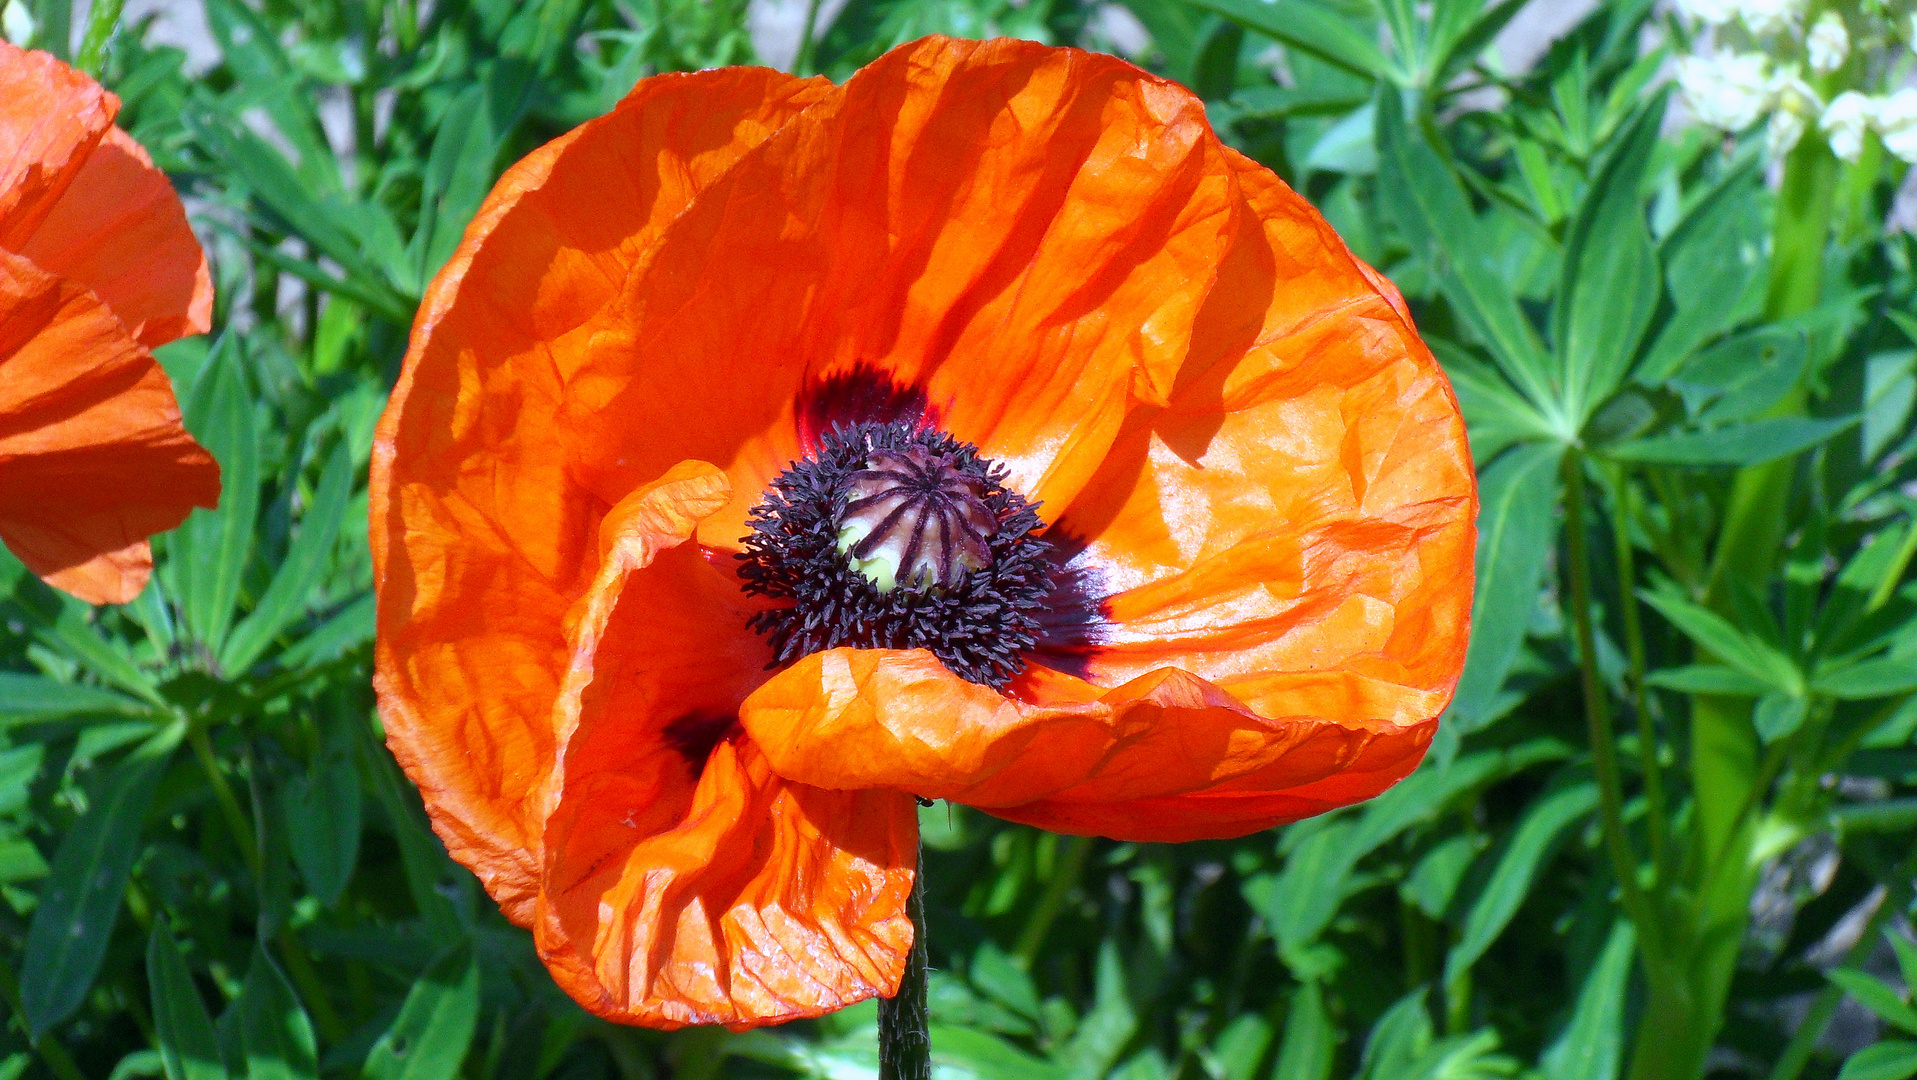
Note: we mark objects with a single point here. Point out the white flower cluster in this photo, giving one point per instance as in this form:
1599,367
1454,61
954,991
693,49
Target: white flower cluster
1762,66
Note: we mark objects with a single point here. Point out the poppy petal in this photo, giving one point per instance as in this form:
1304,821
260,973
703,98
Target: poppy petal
897,719
120,230
1297,522
93,457
478,527
1018,234
51,118
685,882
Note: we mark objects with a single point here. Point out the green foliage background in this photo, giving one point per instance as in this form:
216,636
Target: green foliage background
1667,823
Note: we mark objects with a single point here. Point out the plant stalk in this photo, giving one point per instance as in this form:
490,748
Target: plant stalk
1597,703
905,1035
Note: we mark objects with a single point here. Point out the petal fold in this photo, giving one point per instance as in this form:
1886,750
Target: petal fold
120,230
852,719
93,456
481,534
684,881
51,118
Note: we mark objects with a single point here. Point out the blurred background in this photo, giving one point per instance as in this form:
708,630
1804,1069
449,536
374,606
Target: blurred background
1666,830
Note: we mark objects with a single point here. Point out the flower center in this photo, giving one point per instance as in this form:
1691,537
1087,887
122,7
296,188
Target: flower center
897,536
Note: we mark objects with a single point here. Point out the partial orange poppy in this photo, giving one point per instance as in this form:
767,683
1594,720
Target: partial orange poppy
97,265
771,453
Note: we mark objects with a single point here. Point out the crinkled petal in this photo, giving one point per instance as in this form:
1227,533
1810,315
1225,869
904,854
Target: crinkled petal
1017,236
1297,525
93,457
851,719
51,118
1284,552
685,882
480,534
120,230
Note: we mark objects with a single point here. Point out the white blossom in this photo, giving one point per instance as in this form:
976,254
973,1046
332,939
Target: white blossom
1845,121
1729,91
1770,16
1897,123
1828,43
1782,133
1714,12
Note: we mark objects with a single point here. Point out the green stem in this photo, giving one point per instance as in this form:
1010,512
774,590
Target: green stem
1647,741
905,1036
1065,874
802,62
236,822
1597,703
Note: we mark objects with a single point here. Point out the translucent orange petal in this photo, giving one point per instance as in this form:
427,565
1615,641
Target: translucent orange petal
51,118
1285,553
1297,525
93,457
120,230
870,718
1016,232
685,883
481,536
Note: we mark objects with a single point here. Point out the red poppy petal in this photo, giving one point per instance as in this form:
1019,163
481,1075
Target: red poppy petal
1299,521
93,457
685,883
1022,233
51,118
120,230
874,718
479,532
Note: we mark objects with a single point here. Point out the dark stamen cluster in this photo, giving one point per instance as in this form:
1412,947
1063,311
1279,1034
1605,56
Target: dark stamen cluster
971,580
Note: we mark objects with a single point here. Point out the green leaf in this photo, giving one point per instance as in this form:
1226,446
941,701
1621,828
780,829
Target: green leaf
1883,677
209,551
1894,1059
1777,716
1751,443
1745,376
1517,867
1744,652
1517,529
189,1049
1399,1038
1876,995
74,634
1102,1035
1708,679
81,899
463,163
27,698
1611,281
428,1039
1310,1043
285,599
1591,1044
1312,28
275,1034
1240,1048
19,767
348,630
1419,191
321,812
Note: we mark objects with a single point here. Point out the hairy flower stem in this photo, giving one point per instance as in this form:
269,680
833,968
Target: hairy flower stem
1597,705
905,1036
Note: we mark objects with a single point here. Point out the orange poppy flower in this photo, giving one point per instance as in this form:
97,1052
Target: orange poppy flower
983,429
97,265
